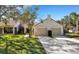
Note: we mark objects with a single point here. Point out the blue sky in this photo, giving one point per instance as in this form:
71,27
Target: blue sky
56,11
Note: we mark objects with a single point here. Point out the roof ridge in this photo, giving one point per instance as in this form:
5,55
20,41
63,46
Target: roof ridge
48,19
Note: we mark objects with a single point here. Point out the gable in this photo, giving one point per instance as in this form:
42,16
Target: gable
49,23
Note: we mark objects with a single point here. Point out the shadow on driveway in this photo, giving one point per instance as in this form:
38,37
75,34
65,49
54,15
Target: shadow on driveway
60,45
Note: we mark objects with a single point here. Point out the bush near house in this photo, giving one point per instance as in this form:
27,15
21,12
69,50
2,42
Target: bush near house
72,35
18,44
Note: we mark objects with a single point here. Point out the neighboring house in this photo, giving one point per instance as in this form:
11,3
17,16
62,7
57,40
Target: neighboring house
49,27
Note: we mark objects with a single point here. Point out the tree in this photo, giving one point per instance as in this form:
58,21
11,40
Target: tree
73,17
6,12
29,17
70,20
41,20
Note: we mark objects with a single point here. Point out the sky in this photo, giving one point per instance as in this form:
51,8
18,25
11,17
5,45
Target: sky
56,11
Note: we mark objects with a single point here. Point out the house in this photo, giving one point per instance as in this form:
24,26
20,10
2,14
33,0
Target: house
49,27
12,27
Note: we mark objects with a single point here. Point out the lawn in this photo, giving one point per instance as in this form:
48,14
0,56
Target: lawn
18,44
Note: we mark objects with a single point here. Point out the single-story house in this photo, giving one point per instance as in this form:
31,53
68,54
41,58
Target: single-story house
11,27
49,27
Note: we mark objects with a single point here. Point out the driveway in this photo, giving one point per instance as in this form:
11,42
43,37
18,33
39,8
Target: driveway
60,45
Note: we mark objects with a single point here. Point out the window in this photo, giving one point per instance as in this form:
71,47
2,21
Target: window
8,30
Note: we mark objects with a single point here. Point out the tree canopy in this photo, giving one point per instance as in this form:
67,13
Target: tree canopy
70,20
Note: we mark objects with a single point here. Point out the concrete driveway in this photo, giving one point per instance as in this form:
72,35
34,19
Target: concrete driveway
60,45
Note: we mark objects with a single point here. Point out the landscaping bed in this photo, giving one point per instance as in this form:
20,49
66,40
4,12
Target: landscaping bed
18,44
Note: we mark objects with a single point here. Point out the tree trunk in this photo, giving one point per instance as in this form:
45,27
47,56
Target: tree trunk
30,30
29,33
76,25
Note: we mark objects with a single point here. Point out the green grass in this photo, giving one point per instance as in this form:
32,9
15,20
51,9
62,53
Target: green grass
18,44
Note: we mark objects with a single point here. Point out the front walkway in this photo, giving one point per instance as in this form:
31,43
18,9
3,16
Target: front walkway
60,45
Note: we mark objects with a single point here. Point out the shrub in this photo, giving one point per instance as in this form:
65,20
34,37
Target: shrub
72,34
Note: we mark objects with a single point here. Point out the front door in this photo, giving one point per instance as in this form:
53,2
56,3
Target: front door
49,33
20,30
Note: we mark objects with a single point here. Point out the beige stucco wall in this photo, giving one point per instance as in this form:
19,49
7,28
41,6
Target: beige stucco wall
48,23
56,31
44,31
40,31
42,28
